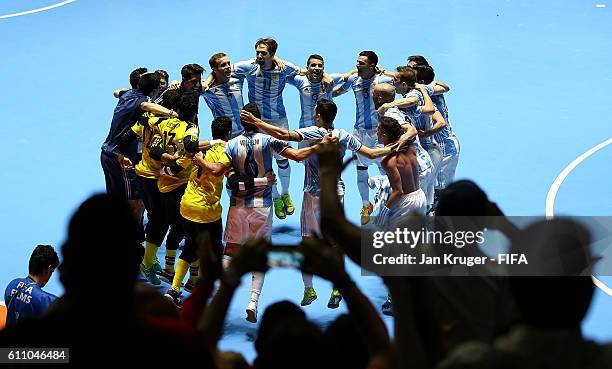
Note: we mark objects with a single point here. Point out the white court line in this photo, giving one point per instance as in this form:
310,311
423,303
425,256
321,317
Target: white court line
552,195
37,10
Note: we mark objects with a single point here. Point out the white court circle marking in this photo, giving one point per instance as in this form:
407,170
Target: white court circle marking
37,10
552,195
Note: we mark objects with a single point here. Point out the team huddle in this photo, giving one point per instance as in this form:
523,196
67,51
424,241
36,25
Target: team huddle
154,158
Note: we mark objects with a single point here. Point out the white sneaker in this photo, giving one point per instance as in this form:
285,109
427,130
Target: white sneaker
251,311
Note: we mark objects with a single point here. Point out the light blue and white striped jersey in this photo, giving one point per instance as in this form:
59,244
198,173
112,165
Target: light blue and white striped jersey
310,93
445,137
251,155
225,100
439,102
423,158
266,87
422,122
312,135
366,114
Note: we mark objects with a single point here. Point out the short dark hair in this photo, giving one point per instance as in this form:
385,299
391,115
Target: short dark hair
314,56
213,59
407,75
253,109
189,70
269,42
327,109
371,55
162,74
418,59
42,257
170,99
135,76
424,73
148,82
221,127
391,127
188,105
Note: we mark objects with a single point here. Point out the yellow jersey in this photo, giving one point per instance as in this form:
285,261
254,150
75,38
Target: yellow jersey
147,167
201,202
171,135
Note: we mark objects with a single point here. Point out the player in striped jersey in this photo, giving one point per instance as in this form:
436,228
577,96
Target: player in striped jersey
250,212
312,88
224,95
366,119
324,116
266,81
385,94
425,118
446,136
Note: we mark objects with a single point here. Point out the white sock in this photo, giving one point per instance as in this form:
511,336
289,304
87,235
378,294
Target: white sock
225,261
307,278
257,285
362,185
284,172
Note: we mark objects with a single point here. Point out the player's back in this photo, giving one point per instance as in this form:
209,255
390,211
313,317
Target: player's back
172,133
251,155
408,167
125,114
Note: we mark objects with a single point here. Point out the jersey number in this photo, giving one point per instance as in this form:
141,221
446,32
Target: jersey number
168,138
267,84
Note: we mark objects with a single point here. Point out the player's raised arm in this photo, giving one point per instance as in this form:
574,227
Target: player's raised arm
216,169
157,109
274,131
440,87
302,154
117,93
428,107
439,123
372,153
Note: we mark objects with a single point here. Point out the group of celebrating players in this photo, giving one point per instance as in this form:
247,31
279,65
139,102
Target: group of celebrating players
154,158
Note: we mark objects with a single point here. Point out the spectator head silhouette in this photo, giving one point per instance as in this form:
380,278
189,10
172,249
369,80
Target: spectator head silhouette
102,225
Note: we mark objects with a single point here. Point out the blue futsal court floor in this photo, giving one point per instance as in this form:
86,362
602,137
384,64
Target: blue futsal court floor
530,83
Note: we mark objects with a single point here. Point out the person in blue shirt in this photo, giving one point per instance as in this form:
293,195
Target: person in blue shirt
25,298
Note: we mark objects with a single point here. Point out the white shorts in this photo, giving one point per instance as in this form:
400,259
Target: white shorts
246,223
408,204
310,217
284,124
435,153
369,138
446,175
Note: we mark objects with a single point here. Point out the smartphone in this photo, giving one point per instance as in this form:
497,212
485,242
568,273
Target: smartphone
285,256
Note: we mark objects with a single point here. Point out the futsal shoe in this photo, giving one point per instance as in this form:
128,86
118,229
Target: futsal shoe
166,275
279,208
157,269
365,213
288,203
251,311
387,307
175,296
334,299
309,296
150,275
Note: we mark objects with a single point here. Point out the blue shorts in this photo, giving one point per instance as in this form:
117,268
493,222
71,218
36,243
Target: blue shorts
120,182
